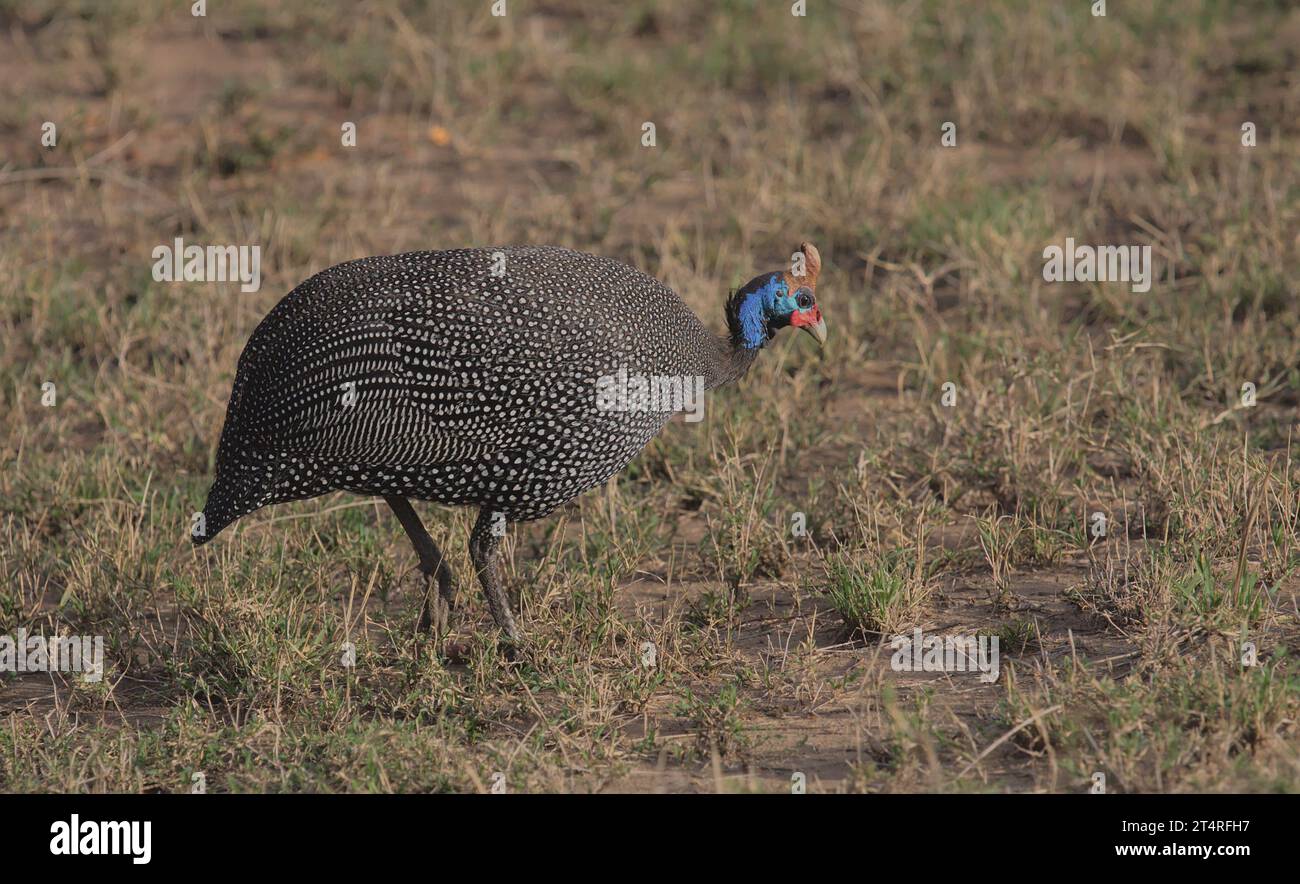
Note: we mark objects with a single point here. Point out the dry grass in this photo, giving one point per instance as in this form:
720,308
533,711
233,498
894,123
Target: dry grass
1123,651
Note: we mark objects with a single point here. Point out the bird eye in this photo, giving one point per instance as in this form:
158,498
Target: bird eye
804,300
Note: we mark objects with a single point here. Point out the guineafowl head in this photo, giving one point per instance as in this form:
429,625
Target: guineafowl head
770,302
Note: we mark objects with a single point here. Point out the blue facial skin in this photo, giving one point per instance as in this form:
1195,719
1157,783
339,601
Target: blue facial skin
771,299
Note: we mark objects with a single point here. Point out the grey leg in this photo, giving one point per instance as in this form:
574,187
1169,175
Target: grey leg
432,565
484,549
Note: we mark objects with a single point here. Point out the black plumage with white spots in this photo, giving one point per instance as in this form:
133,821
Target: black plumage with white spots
463,377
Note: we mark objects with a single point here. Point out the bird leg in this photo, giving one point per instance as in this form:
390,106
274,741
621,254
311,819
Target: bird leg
484,551
437,610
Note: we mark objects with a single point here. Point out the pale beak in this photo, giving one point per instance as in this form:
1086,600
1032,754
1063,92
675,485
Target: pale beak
817,330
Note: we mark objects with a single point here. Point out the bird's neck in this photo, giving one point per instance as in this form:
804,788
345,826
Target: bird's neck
732,359
746,334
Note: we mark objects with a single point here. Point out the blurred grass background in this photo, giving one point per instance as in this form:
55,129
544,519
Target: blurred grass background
476,130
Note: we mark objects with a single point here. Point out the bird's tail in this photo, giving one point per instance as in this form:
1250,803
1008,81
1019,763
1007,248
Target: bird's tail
237,491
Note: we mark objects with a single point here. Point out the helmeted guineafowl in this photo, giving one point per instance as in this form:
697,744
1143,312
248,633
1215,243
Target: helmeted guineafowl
474,376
